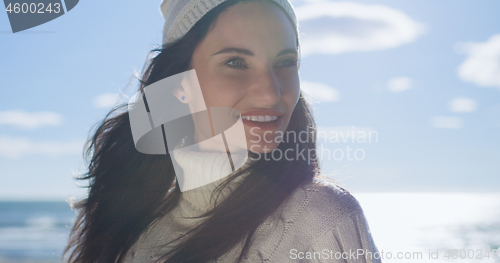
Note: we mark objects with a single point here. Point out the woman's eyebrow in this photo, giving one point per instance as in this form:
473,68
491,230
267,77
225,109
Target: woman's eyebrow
288,51
247,52
235,50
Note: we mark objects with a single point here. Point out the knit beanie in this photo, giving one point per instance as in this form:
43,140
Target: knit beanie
181,15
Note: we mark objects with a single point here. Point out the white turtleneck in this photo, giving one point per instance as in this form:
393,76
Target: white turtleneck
199,164
317,217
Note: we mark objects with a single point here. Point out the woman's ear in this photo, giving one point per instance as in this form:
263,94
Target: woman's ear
180,94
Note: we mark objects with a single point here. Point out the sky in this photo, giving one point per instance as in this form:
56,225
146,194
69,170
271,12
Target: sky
420,78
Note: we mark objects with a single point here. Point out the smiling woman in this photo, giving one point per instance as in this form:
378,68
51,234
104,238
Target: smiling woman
248,61
245,55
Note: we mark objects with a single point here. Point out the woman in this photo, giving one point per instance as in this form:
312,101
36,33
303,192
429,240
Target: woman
244,54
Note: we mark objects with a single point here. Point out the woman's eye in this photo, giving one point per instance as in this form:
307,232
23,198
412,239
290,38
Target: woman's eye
288,63
236,63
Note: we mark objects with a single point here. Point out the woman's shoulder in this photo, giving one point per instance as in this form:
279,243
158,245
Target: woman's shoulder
324,197
329,189
319,213
320,204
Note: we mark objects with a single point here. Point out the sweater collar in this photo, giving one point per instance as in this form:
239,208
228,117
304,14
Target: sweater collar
213,167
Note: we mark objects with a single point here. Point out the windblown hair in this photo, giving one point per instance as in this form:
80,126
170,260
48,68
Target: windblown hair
128,190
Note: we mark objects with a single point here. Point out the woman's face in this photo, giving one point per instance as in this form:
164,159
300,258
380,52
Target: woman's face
248,61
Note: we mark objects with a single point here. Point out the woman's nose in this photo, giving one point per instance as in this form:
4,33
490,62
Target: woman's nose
266,89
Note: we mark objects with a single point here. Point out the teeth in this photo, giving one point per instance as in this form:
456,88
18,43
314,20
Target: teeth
260,118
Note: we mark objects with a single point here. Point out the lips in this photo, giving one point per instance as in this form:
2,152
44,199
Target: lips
262,113
260,118
263,119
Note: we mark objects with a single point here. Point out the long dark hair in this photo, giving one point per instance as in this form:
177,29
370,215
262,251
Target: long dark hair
128,190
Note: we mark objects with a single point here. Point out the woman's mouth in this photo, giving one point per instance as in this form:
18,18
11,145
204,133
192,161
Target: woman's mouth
260,118
263,122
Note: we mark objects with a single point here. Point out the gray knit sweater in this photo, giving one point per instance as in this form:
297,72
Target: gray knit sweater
320,222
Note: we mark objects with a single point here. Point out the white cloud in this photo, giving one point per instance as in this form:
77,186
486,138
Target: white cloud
315,91
399,84
14,147
339,27
482,65
447,122
106,100
462,105
29,120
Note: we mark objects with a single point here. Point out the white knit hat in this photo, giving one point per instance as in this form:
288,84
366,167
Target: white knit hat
181,15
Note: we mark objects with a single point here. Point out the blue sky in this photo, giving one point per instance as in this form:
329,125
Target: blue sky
423,75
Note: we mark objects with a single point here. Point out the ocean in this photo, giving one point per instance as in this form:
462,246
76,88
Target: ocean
406,227
34,231
434,227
